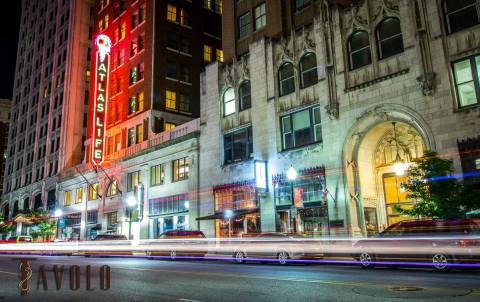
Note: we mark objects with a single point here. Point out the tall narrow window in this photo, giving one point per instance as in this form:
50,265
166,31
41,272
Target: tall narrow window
184,17
93,191
260,16
207,53
157,175
466,74
123,30
170,99
171,13
308,70
67,201
131,137
112,189
180,169
243,25
286,79
389,38
219,55
79,195
244,93
460,14
359,50
139,133
184,102
133,179
229,102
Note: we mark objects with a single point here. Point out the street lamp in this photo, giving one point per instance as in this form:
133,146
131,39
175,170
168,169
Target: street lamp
131,203
57,214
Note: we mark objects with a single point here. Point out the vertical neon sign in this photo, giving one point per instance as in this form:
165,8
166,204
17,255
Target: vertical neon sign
100,101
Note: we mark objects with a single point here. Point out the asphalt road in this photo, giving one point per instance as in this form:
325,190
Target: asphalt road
161,280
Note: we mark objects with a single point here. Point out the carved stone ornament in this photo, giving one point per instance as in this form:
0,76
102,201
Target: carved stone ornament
307,41
427,83
332,110
357,19
386,8
228,75
285,49
244,68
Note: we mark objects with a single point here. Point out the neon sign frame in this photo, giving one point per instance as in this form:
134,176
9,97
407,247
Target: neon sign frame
100,98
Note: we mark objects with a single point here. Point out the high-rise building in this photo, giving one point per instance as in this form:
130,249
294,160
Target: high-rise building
158,50
50,93
5,107
321,106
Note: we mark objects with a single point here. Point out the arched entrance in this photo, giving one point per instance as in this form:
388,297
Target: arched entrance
381,137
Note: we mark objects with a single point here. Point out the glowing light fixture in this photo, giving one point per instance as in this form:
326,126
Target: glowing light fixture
228,214
131,201
291,173
58,213
399,166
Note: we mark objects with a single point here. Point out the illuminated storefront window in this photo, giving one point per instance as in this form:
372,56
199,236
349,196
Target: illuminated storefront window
168,213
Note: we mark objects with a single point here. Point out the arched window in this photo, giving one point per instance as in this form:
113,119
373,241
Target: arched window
112,189
15,209
244,93
389,38
460,14
359,52
308,70
229,102
286,79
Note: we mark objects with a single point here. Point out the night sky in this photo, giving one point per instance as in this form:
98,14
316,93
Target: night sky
9,26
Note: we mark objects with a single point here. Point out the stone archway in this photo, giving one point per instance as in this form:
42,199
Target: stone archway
363,171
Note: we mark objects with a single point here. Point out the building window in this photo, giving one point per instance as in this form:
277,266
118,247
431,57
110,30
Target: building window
157,175
171,69
301,128
477,164
111,221
131,137
93,191
169,126
79,195
359,50
67,201
184,17
260,16
134,22
301,4
207,53
136,73
167,205
238,145
142,13
244,93
286,79
308,70
123,30
243,25
184,102
389,38
139,133
185,46
185,74
229,102
220,55
466,74
133,179
170,99
171,13
112,189
136,45
180,169
460,15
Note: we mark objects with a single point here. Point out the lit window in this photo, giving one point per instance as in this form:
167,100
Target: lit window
308,70
106,21
170,99
123,30
133,179
477,164
157,175
139,133
460,15
140,99
243,25
466,74
93,191
100,25
207,53
219,55
116,36
67,199
171,13
131,137
389,38
359,50
229,102
79,196
169,126
180,169
260,16
286,79
184,17
132,104
301,128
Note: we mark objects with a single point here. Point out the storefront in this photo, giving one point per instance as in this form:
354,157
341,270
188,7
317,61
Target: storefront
168,213
300,203
236,209
71,229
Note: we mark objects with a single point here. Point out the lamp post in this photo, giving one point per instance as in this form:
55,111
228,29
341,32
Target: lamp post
131,203
57,214
292,176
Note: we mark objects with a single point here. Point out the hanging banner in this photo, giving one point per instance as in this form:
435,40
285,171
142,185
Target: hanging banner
100,98
298,197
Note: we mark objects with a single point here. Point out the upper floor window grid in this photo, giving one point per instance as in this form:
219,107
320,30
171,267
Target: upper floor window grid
460,14
359,51
389,38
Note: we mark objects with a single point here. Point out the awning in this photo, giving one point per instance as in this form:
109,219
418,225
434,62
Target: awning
235,214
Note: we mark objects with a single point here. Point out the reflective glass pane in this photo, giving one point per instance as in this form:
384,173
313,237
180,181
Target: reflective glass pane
467,94
463,72
301,120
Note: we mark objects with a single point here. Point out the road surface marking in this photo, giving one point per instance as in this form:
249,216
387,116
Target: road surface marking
9,273
188,300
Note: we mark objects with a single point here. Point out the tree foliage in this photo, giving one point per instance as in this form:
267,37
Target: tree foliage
436,191
44,229
5,227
